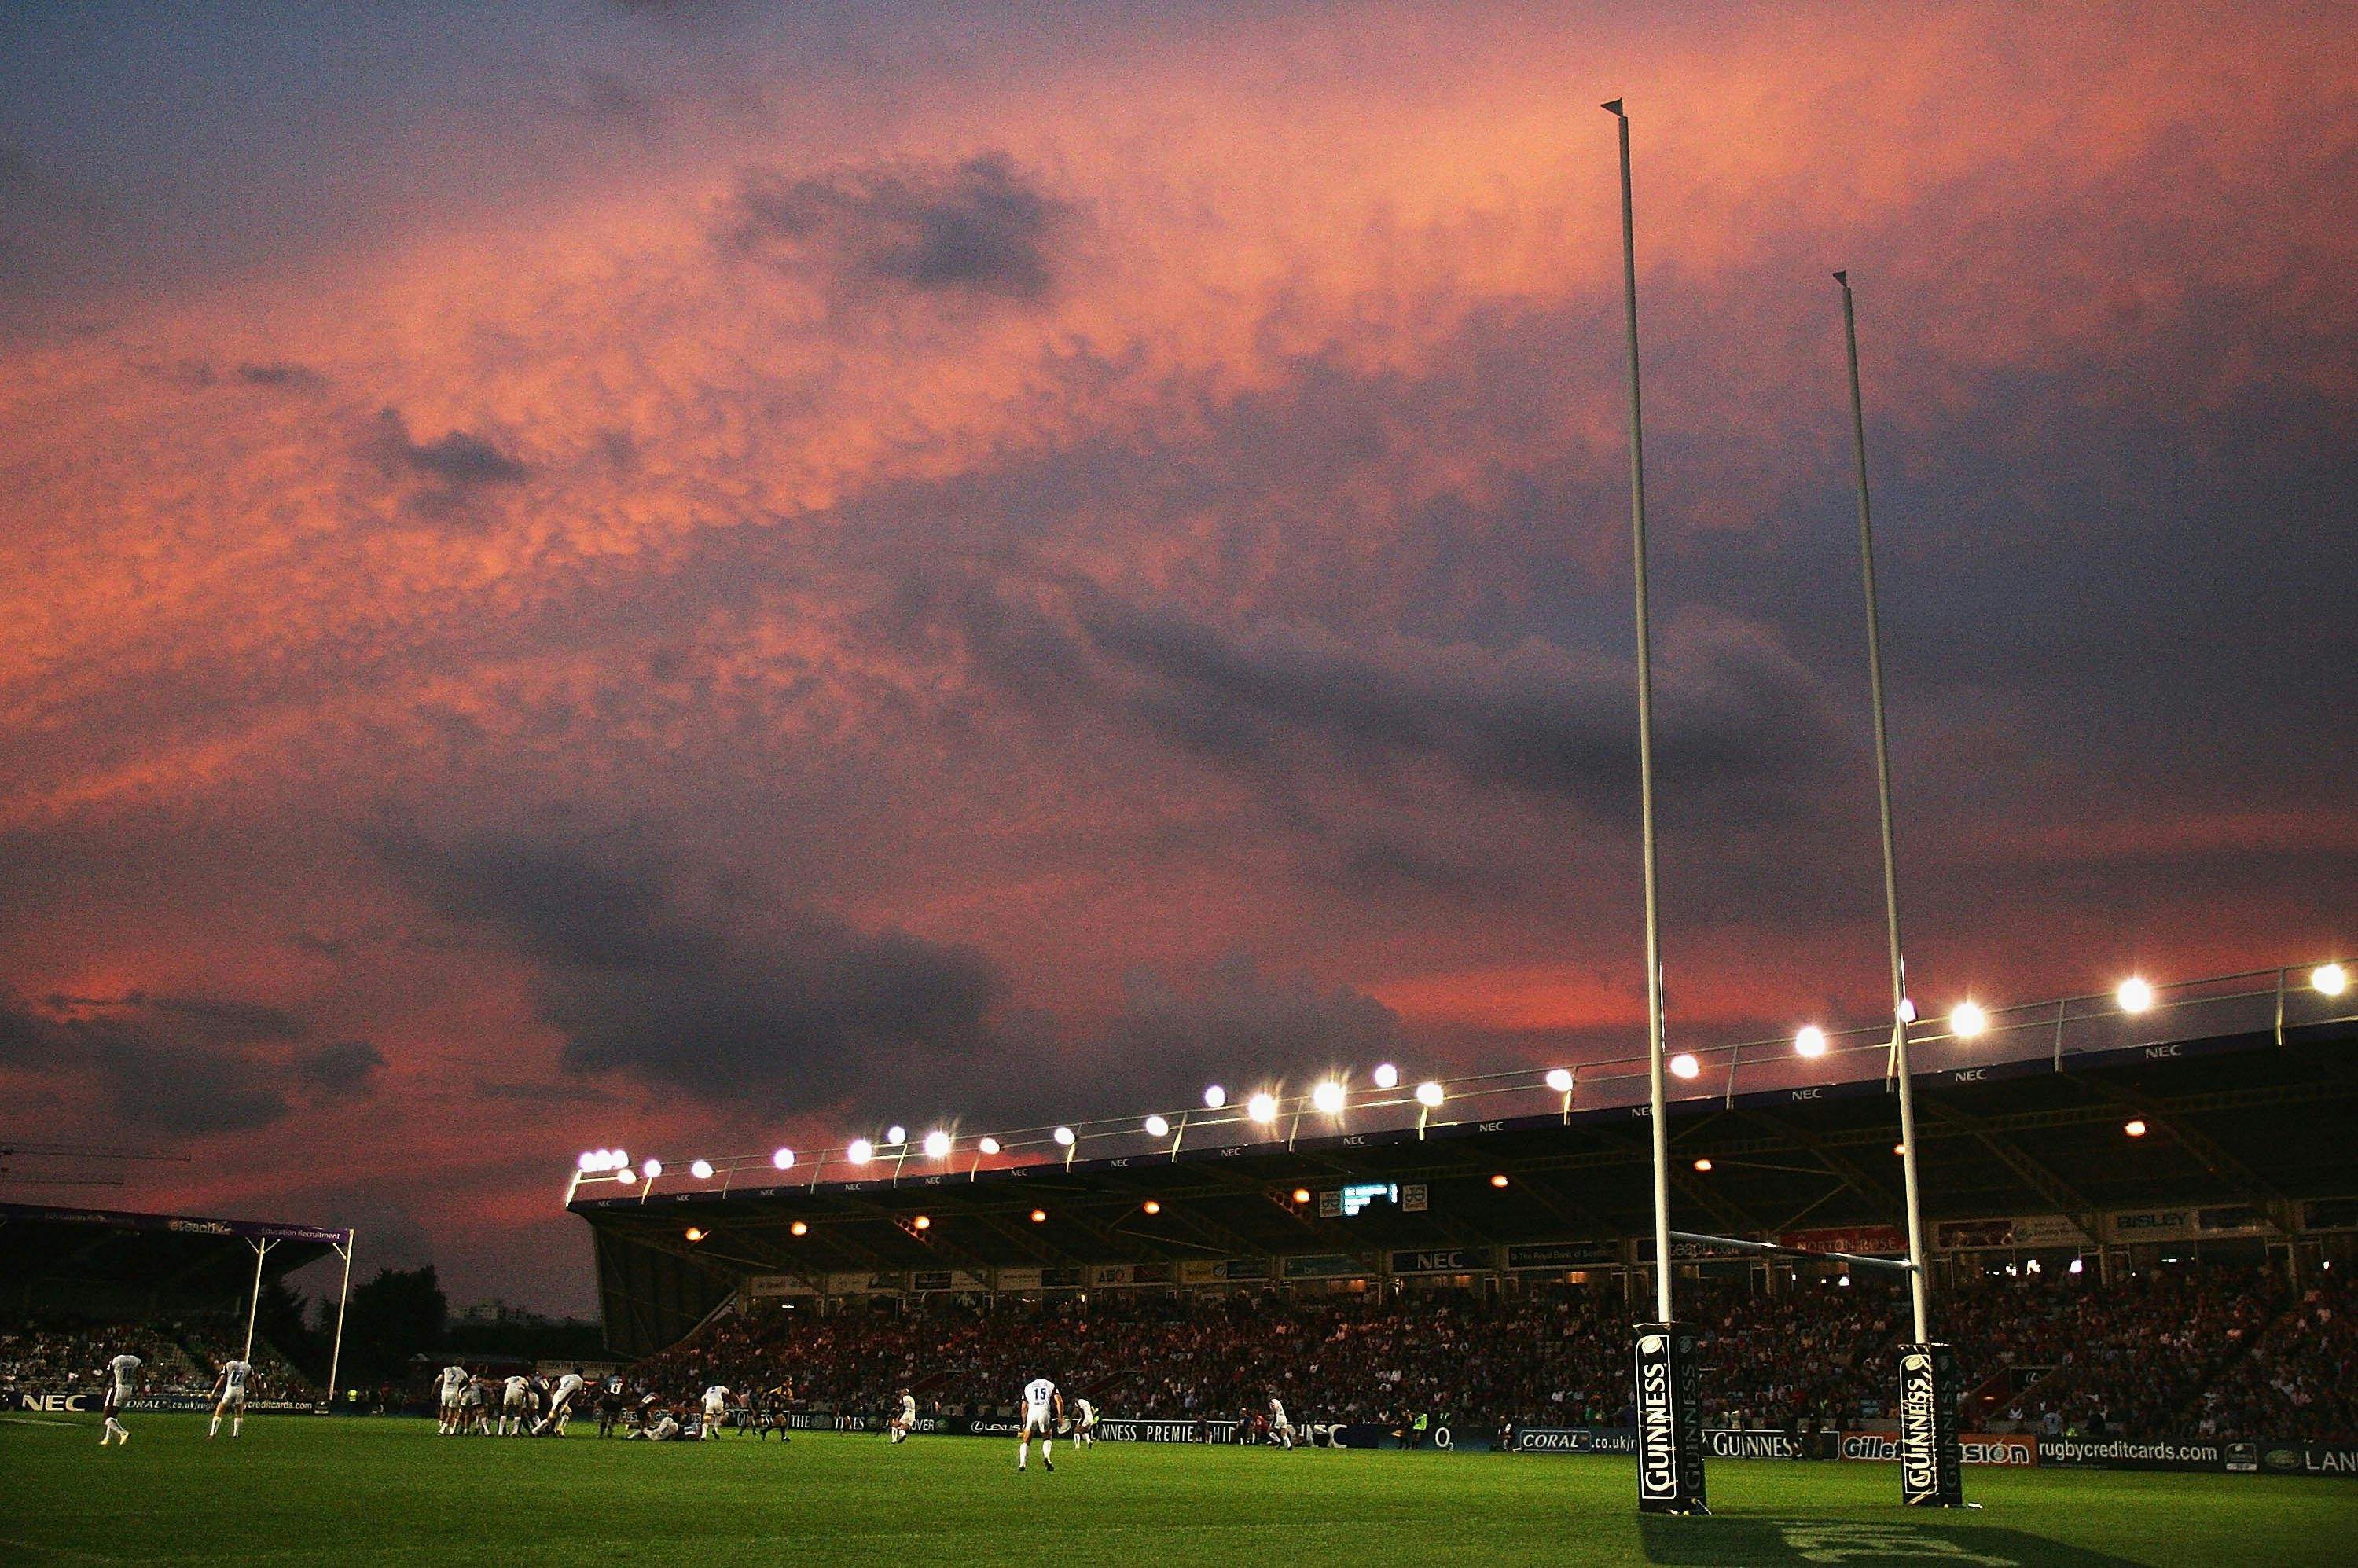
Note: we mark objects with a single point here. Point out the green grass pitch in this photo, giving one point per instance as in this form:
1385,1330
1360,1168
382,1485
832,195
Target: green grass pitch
307,1489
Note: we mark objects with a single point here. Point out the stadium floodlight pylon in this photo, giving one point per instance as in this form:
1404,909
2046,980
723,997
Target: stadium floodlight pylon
1667,1369
1930,1458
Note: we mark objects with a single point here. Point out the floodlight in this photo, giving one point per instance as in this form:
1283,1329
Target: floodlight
1810,1042
1261,1108
2076,1267
1499,1181
626,1175
988,1145
1064,1136
861,1152
1039,1217
619,1158
784,1159
1157,1127
652,1169
1387,1076
2134,1127
2330,980
2135,995
1967,1019
1429,1095
695,1233
923,1222
1151,1207
1560,1079
799,1227
1327,1098
1899,1149
938,1144
589,1160
1683,1065
895,1135
1907,1009
1302,1194
1214,1098
1704,1165
701,1170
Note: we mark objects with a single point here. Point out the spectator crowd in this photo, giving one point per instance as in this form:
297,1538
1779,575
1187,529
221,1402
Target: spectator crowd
2212,1350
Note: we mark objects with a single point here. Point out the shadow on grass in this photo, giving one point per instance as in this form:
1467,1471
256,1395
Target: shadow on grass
1744,1542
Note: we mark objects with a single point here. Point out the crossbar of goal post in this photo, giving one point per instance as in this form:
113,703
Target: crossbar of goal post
1777,1249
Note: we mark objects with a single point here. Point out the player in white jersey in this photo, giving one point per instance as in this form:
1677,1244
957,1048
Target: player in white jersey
716,1406
454,1387
119,1373
906,1422
1279,1427
1043,1408
229,1395
1085,1424
475,1408
560,1405
515,1399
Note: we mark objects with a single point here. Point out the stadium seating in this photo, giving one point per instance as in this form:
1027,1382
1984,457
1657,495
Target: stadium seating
55,1355
2233,1352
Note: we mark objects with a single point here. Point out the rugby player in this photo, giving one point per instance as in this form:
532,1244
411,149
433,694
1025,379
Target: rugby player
454,1385
229,1395
118,1397
1043,1408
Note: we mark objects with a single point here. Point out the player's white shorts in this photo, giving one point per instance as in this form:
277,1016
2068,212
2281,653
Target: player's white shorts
450,1398
235,1398
714,1410
1037,1419
514,1400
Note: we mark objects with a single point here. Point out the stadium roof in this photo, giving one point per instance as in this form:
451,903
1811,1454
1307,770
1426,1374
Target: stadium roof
2263,1120
110,1262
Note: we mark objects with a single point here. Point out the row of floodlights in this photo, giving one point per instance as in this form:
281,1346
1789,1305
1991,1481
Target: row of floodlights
1966,1020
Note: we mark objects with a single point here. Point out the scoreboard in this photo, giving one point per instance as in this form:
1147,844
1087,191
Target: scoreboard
1348,1202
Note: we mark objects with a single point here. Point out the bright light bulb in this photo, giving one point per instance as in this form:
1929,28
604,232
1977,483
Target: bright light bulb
1499,1181
1039,1217
1387,1076
1907,1009
938,1144
695,1233
1686,1066
1151,1207
784,1159
619,1158
1157,1127
1064,1136
895,1135
589,1160
2134,1127
652,1169
799,1227
2330,980
1261,1108
988,1145
1327,1098
1704,1165
1429,1095
1810,1042
1560,1079
2135,995
1967,1020
701,1170
923,1222
861,1152
626,1175
1214,1098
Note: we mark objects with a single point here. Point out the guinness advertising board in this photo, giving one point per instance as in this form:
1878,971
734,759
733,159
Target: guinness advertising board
1931,1465
1670,1420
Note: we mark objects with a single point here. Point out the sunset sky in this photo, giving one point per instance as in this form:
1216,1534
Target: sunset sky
692,575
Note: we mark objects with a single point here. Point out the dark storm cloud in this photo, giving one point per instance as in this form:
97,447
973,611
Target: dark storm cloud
979,227
460,460
340,1070
1740,718
1241,1021
278,374
719,1000
181,1065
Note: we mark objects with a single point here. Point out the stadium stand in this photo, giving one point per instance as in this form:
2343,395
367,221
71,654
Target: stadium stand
2220,1350
77,1286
